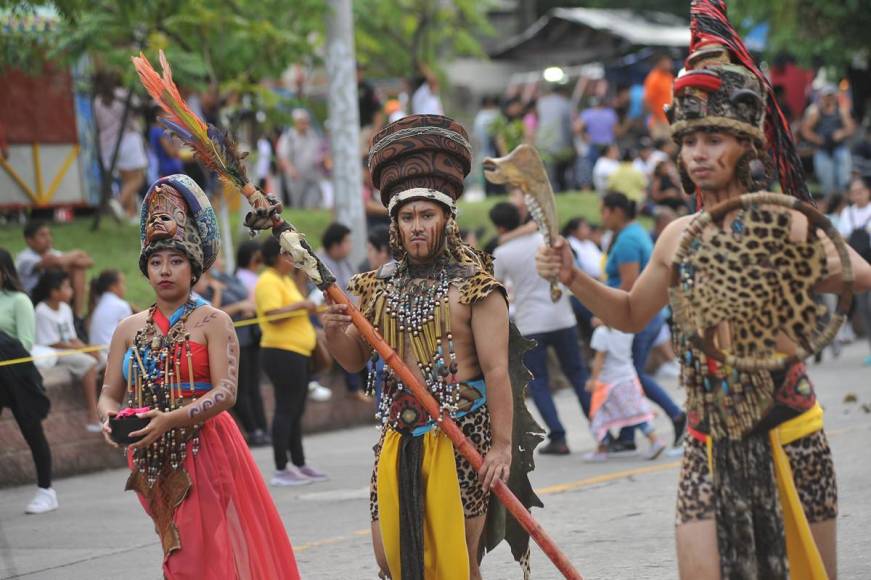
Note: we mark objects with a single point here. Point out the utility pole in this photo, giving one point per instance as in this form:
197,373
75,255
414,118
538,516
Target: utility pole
343,122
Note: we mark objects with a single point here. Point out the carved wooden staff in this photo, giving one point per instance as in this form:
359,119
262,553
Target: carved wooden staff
293,243
217,151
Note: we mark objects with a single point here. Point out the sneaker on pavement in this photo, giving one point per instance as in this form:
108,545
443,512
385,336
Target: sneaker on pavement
867,361
116,209
615,446
259,439
674,452
680,426
655,450
45,500
288,478
595,456
318,392
555,448
312,473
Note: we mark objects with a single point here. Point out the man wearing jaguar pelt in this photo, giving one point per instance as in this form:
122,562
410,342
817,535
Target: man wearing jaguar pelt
757,497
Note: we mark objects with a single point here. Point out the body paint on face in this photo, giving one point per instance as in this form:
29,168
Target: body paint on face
711,159
422,229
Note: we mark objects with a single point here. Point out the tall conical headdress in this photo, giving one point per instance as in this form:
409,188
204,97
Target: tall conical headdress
723,87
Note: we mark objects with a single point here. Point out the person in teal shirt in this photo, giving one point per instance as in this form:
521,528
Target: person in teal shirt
628,254
21,387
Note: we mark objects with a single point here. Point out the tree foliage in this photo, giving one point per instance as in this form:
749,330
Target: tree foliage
394,37
830,32
208,41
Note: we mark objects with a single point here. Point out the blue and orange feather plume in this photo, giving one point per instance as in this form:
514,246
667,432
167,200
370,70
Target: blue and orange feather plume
212,147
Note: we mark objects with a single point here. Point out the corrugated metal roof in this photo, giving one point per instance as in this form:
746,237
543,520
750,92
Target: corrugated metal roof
639,29
635,28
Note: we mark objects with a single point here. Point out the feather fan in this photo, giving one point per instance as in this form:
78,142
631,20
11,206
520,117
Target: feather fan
212,147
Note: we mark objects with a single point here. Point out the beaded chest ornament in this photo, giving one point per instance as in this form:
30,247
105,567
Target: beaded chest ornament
154,381
414,312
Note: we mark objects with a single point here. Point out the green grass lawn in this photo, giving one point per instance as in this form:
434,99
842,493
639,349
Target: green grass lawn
117,245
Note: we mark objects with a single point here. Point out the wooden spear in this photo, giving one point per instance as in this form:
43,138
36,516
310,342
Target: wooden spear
293,243
217,151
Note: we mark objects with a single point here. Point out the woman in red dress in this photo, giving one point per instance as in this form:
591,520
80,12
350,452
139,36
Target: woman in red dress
190,467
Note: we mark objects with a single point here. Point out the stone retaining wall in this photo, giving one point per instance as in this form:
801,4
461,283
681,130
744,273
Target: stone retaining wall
74,450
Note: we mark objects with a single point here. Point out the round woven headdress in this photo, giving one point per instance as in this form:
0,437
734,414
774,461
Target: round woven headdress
191,226
426,152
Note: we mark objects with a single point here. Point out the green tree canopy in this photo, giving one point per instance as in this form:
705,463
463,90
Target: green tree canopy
394,37
832,31
230,42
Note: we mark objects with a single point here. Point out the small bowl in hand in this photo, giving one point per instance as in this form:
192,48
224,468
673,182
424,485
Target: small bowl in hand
122,427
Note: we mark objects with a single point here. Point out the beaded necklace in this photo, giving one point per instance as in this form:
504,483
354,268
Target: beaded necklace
414,311
154,381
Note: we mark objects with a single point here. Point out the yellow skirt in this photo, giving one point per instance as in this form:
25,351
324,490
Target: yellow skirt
444,535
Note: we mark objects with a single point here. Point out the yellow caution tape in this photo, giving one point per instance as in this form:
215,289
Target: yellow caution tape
99,347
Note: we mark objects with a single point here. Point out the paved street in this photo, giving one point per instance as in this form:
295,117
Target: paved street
614,520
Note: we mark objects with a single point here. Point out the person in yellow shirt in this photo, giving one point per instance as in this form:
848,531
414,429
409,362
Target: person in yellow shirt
286,348
628,179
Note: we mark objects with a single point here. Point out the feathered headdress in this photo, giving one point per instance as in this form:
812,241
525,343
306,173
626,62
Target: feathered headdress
212,147
709,25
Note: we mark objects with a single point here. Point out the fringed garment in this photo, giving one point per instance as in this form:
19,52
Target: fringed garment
422,489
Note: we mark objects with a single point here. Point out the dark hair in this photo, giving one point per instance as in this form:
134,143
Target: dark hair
617,200
31,227
99,285
334,234
270,249
50,280
505,215
833,202
865,179
11,282
572,225
379,237
627,155
246,252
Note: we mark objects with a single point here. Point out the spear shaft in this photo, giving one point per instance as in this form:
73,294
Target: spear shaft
295,245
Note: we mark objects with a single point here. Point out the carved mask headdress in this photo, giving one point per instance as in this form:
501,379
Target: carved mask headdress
722,88
177,215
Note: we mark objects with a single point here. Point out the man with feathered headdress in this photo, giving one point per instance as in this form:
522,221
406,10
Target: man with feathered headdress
757,495
441,310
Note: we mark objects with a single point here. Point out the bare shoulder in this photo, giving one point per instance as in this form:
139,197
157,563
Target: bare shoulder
128,326
209,319
492,305
798,226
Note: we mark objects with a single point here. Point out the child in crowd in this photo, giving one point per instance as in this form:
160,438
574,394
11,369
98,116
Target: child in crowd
55,329
618,400
108,307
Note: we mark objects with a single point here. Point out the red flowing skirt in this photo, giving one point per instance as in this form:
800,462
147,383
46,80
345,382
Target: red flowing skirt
228,524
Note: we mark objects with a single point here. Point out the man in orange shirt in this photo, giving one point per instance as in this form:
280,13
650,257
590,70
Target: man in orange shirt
657,94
